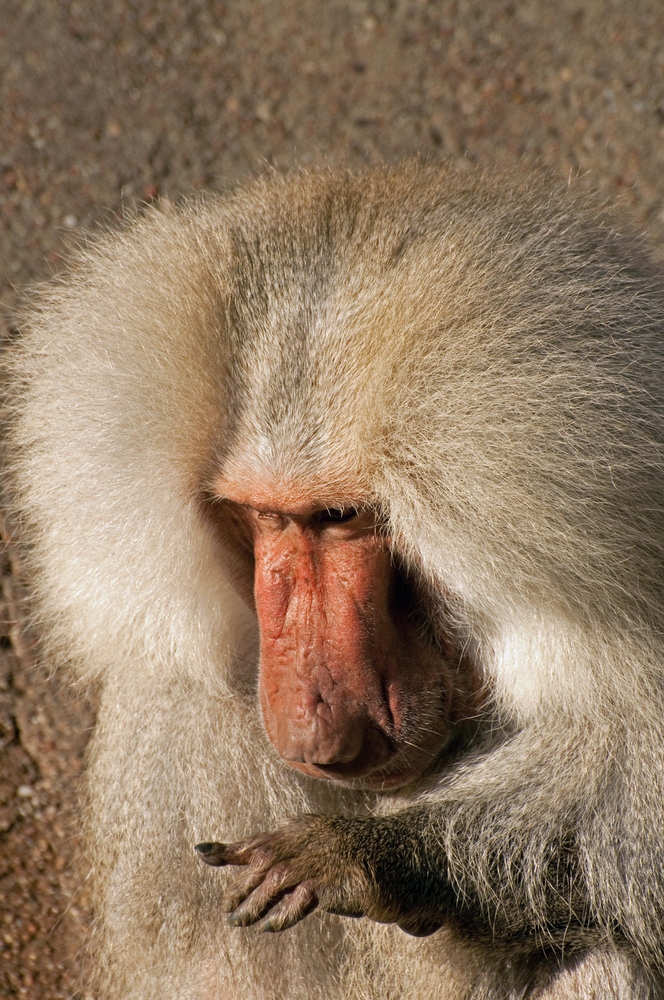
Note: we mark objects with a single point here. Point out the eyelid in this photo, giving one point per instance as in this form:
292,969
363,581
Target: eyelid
338,515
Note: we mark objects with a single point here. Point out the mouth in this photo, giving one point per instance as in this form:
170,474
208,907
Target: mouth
359,776
384,763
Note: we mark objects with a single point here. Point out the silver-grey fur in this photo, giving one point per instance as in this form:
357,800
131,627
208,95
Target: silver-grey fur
483,357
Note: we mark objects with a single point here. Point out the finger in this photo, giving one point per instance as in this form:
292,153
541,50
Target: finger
241,887
296,905
225,854
212,854
271,889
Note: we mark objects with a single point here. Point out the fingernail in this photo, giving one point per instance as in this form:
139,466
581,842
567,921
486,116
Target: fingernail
212,854
234,920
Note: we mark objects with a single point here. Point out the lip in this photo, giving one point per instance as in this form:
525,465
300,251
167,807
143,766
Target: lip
377,779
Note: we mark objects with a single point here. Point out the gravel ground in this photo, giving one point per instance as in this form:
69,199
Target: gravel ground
104,105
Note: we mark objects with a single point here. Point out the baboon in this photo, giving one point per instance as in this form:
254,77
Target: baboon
346,491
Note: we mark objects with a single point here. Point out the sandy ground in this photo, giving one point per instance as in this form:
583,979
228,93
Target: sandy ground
105,104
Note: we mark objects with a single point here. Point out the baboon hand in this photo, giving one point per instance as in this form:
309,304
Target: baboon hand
289,873
313,863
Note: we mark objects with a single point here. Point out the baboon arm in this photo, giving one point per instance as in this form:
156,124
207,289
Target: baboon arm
394,870
404,869
527,864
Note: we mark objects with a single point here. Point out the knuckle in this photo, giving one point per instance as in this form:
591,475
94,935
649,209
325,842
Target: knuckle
279,874
261,858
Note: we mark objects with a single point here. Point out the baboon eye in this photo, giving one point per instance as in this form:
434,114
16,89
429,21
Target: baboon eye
271,519
337,515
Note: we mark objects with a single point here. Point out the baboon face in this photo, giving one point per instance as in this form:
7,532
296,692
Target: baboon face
354,685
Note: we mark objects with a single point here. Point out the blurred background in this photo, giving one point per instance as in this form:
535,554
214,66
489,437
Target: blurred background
106,104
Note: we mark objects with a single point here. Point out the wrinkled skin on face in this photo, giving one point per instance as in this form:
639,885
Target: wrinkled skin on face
353,687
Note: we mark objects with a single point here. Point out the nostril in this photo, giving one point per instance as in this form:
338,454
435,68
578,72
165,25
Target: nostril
340,749
322,759
322,743
374,752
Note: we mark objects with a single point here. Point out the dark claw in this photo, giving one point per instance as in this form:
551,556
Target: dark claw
212,854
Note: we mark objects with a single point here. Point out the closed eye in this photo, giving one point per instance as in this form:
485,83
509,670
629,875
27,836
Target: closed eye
337,515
